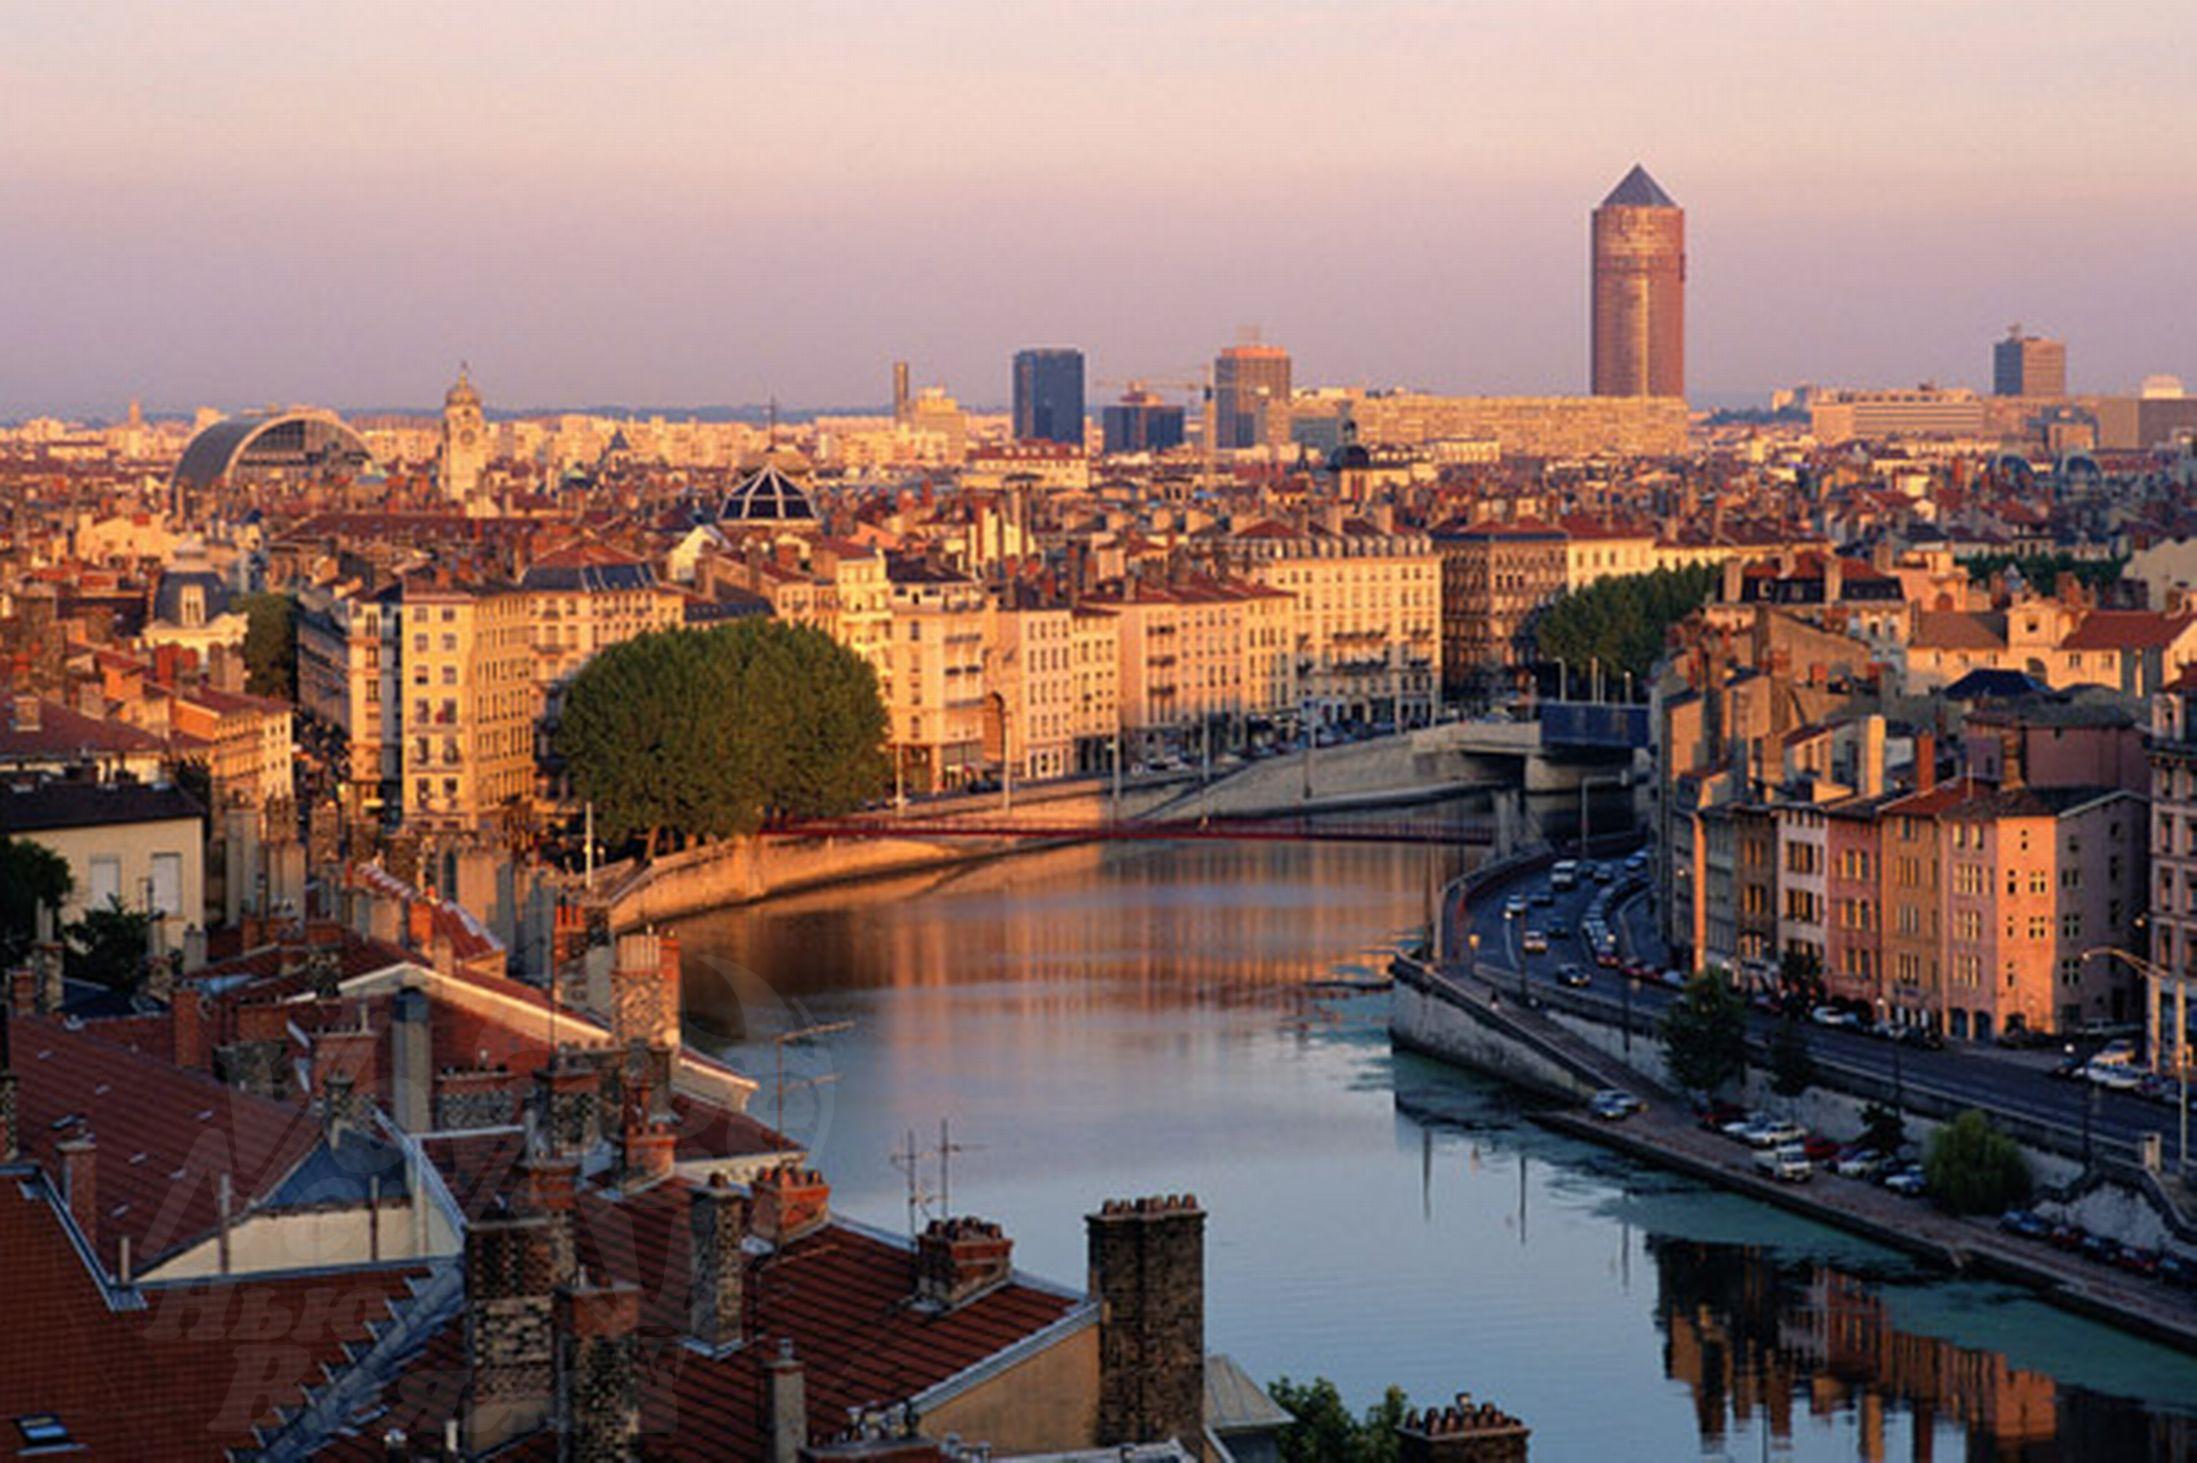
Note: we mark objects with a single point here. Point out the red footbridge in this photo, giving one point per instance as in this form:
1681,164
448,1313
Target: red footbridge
1323,829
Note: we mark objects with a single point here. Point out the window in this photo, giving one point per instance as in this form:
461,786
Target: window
43,1432
106,882
168,883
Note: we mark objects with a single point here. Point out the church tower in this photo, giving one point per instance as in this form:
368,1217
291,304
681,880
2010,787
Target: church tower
464,441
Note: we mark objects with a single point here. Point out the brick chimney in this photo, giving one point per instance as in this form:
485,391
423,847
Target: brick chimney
789,1202
1465,1432
959,1260
11,1123
598,1375
188,1040
1926,761
549,1186
1148,1275
568,1104
79,1157
644,990
717,1287
354,1051
647,1149
26,714
786,1405
510,1283
475,1097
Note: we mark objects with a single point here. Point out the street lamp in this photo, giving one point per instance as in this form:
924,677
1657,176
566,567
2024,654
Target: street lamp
2155,978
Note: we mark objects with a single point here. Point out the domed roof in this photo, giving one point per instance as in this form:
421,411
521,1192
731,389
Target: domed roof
767,496
461,392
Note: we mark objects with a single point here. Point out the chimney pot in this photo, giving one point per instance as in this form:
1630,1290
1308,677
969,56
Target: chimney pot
79,1157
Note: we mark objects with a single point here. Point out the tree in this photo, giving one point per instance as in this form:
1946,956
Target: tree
109,947
1705,1034
270,645
1324,1430
1973,1168
1622,622
1882,1128
1800,974
32,876
1792,1067
703,734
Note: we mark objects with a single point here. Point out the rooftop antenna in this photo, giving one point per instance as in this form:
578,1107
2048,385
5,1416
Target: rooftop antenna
773,419
947,1148
909,1161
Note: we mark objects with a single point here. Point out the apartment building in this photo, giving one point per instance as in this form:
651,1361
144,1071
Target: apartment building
1031,719
351,684
581,600
470,701
1494,576
1366,622
935,688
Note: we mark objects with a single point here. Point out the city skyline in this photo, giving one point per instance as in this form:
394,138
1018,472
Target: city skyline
686,214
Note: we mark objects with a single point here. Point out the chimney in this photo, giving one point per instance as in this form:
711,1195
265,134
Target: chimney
789,1202
194,949
339,1106
644,990
510,1284
419,925
549,1186
960,1260
648,1148
79,1157
26,714
1872,755
717,1286
786,1404
1926,761
568,1104
411,1063
1465,1432
2013,755
598,1377
1834,579
1148,1274
350,1050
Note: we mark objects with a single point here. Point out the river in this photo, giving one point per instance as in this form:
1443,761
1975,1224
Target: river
1143,1018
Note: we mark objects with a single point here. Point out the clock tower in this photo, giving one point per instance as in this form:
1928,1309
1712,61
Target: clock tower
464,441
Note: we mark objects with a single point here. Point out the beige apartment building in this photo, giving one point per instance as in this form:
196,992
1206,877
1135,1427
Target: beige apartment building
1365,622
584,599
1030,719
350,680
470,703
1094,642
935,690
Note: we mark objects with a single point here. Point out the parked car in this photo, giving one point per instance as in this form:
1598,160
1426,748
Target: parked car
1574,975
2025,1224
1743,1128
1612,1105
1777,1133
1860,1163
2178,1272
1604,874
2065,1236
1607,958
2105,1250
1717,1114
1821,1149
1674,978
2138,1262
1908,1182
1831,1016
1787,1163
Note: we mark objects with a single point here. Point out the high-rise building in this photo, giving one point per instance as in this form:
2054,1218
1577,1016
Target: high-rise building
1049,396
1251,397
1639,291
2028,365
1142,422
900,391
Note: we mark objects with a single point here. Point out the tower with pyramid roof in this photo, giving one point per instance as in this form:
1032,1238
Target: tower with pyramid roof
1639,290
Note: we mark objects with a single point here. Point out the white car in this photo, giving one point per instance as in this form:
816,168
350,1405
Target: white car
1612,1103
1831,1016
2114,1076
1514,906
1534,942
1864,1163
1787,1162
1776,1133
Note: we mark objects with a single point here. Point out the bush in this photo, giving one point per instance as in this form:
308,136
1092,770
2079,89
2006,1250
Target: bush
1973,1168
1705,1034
1325,1432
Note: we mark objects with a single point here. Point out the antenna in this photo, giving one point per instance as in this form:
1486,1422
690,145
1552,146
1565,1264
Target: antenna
947,1148
908,1160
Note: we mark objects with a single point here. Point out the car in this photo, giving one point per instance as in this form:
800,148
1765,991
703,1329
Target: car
1534,942
2102,1248
1785,1163
1742,1128
1717,1114
1921,1037
1575,976
2138,1261
2065,1236
1674,978
2178,1272
1613,1106
1542,899
1831,1016
1908,1182
1558,930
1860,1163
2025,1224
1514,906
2113,1076
1604,874
1778,1133
1607,959
1639,970
2071,1067
1820,1149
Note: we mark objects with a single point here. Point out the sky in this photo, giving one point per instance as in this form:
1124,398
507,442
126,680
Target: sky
658,203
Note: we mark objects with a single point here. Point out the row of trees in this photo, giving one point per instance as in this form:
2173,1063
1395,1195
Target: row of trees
1622,623
2042,572
692,735
1971,1166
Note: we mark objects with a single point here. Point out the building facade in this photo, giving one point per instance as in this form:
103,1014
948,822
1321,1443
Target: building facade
1048,398
1639,290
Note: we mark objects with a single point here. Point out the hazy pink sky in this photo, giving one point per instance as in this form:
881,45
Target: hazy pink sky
667,203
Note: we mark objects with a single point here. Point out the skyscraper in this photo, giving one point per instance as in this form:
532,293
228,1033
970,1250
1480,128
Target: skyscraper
1049,396
2028,365
1251,396
1639,291
900,391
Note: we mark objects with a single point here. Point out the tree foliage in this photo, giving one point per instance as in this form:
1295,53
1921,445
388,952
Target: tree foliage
1324,1430
704,734
1792,1066
31,875
1973,1168
1882,1128
1705,1034
2042,572
270,645
1622,622
109,947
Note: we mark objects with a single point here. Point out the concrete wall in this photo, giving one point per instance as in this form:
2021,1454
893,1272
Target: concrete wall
307,1238
1431,1016
1047,1403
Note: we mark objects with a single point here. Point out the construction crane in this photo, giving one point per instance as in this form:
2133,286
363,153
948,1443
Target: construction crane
1200,390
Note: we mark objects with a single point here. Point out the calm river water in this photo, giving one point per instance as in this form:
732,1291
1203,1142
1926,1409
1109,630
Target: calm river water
1145,1018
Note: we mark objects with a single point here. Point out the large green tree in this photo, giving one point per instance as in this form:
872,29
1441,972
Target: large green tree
109,947
1792,1066
1705,1034
270,645
1973,1168
701,734
1622,622
1324,1431
31,876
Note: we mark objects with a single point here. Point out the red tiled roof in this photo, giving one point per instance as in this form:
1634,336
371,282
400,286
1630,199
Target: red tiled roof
2127,630
189,1376
840,1295
62,733
164,1136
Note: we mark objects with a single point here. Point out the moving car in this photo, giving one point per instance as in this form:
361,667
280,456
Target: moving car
1612,1105
1785,1163
1831,1016
1574,975
1778,1133
1534,942
1514,906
